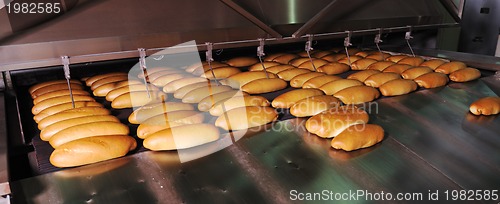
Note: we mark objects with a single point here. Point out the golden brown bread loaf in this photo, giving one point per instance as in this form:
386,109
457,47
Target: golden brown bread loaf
450,67
313,105
279,68
179,93
331,88
238,80
378,80
317,82
107,80
350,59
378,56
168,120
196,95
62,107
486,106
432,80
320,53
206,103
260,86
147,111
182,137
317,63
363,75
363,53
95,78
58,100
219,108
380,66
103,90
156,75
433,63
334,57
48,83
54,87
242,61
54,94
298,61
464,75
91,150
204,66
397,68
270,57
87,130
358,136
165,79
54,128
288,74
221,72
246,117
332,122
127,89
396,58
415,72
334,68
398,87
137,99
286,100
300,79
258,66
286,58
357,94
412,61
72,113
179,83
362,64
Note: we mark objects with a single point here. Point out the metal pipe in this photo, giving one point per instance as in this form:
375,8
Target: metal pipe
452,9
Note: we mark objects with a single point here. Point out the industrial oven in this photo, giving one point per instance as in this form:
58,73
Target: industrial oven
433,149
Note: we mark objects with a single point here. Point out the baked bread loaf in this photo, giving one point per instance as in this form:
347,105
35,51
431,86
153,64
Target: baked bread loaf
206,103
137,99
288,99
54,87
486,106
352,58
179,83
54,128
334,57
103,90
363,53
127,89
362,64
279,68
412,61
242,61
396,58
264,85
203,66
333,87
332,122
300,79
432,80
147,111
55,94
168,120
221,72
298,61
415,72
58,100
363,75
156,75
238,80
91,150
288,74
72,113
317,63
258,66
286,58
398,87
321,53
378,56
179,93
48,83
317,82
358,136
87,130
380,66
241,101
107,80
450,67
62,107
357,94
334,68
313,105
165,79
246,117
196,95
182,137
397,68
270,57
464,75
433,63
378,80
95,78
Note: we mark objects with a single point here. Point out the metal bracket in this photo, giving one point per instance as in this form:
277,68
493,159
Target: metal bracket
407,38
67,75
210,59
379,40
142,64
347,43
260,54
309,48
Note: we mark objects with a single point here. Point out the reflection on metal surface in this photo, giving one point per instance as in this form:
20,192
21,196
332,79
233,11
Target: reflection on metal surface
4,174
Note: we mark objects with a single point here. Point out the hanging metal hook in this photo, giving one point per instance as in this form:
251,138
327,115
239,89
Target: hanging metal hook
210,59
260,54
347,43
142,64
379,40
407,38
67,75
309,48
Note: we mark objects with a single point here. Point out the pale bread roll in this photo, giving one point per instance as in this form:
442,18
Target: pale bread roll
464,75
221,72
286,100
242,61
433,63
154,70
358,136
54,87
95,78
103,90
486,106
379,57
62,107
321,53
179,93
127,89
258,66
196,95
246,117
432,80
396,58
54,94
48,83
165,79
319,81
317,63
287,75
378,80
241,101
362,64
313,105
54,128
204,66
168,120
72,113
87,130
279,68
201,70
332,122
147,111
450,67
270,57
156,75
286,58
357,94
380,66
107,80
333,87
398,87
182,137
300,79
412,61
260,86
238,80
179,83
334,68
333,57
137,99
58,100
206,103
350,59
397,68
415,72
298,61
363,75
91,150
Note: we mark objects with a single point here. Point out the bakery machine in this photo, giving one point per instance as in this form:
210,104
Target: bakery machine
433,148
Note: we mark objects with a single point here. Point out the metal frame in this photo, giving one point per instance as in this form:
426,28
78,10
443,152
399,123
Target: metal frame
305,28
452,10
4,165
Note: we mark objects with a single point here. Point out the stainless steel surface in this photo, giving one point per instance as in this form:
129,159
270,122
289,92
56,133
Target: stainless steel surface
311,22
4,166
474,60
452,9
252,18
